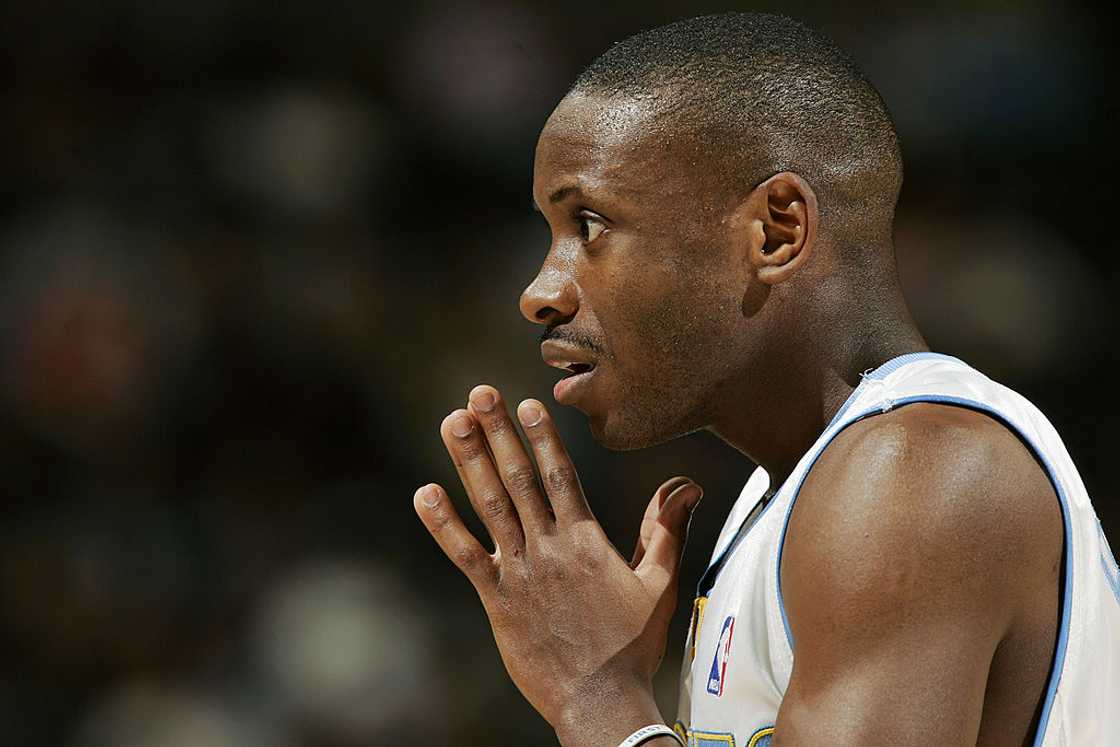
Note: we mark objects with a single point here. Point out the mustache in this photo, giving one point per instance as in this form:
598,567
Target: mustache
574,337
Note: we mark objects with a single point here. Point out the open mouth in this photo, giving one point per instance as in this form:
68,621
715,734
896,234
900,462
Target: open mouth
579,368
578,374
577,379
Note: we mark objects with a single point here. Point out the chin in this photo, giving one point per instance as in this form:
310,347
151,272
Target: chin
613,438
617,432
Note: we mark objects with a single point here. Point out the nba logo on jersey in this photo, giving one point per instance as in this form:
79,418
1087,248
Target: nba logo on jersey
719,662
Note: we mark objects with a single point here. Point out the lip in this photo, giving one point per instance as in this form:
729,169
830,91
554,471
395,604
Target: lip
567,390
562,356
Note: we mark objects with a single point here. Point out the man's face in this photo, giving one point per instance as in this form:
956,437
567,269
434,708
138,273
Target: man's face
638,281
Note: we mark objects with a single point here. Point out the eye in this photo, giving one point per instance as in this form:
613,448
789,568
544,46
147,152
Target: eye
590,226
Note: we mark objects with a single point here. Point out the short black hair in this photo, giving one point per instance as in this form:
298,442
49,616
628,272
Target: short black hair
768,94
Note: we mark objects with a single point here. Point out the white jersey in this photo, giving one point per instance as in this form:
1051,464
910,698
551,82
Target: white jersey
739,653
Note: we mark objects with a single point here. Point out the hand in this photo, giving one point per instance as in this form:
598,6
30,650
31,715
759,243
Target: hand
580,630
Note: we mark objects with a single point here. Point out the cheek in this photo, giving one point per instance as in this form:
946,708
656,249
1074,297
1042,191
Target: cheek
674,326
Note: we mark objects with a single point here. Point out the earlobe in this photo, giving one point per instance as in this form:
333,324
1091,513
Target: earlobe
786,215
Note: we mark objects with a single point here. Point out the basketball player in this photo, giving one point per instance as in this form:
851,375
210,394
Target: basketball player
915,561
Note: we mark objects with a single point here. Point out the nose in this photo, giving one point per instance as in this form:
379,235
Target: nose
551,298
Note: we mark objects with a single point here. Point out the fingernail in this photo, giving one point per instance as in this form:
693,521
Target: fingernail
484,401
530,415
691,495
672,487
430,496
461,426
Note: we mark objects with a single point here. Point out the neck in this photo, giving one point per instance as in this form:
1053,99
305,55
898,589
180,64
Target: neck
773,417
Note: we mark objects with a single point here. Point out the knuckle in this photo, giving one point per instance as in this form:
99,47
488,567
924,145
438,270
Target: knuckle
549,563
560,477
583,546
520,572
466,557
521,480
471,450
498,425
492,504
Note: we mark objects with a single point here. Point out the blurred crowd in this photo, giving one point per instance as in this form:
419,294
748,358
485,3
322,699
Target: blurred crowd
252,253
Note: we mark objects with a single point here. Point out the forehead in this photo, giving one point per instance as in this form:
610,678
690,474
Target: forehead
619,144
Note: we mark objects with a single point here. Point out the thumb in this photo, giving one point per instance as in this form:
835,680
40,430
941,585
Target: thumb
666,542
649,521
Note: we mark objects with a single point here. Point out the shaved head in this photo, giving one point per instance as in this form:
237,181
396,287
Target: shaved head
759,94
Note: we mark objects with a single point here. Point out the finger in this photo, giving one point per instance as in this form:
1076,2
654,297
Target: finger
558,474
649,521
510,458
666,542
467,448
442,520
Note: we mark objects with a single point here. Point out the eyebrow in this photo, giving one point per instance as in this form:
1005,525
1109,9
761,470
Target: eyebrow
563,192
558,195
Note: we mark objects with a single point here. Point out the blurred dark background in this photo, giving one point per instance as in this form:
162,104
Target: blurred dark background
252,253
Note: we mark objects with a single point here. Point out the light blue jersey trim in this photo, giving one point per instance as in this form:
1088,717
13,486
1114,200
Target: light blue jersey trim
896,363
881,373
1067,580
708,579
711,573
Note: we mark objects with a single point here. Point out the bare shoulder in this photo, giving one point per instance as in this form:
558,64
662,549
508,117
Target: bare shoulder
909,511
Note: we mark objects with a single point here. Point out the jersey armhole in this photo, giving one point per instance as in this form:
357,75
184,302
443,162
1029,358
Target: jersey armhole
1065,585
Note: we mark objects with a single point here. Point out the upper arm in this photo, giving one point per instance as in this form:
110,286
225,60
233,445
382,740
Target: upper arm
915,541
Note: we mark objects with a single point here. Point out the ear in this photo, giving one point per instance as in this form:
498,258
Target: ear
779,220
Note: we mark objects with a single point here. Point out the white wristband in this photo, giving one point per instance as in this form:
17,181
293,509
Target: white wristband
649,732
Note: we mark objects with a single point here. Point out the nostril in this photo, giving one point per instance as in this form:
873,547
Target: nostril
543,315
